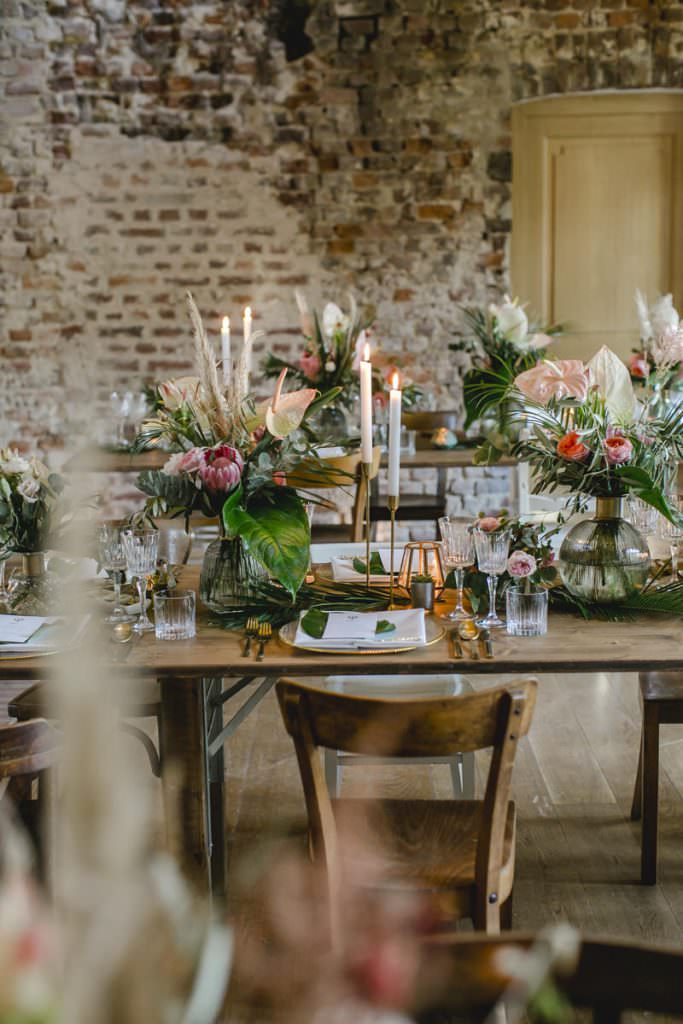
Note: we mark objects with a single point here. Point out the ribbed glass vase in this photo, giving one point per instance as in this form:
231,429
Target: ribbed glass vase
604,559
33,589
228,574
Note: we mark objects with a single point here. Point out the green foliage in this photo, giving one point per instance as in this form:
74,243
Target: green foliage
314,623
384,626
376,565
275,531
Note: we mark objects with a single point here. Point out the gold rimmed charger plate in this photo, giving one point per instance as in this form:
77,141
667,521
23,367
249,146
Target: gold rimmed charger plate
433,630
7,656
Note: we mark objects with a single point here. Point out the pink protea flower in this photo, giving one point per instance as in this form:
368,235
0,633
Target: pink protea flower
638,366
309,364
521,564
489,524
222,468
563,378
618,450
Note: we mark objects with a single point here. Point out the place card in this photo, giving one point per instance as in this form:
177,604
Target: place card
17,629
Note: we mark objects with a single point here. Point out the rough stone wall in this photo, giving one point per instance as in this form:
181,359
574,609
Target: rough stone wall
153,145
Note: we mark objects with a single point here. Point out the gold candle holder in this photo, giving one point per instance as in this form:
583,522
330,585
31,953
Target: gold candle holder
427,555
392,504
366,469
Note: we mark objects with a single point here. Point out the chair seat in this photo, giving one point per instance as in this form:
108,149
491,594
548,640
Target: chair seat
432,844
141,701
661,686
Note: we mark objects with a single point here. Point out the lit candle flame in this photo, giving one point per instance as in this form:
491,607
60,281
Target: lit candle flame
366,353
226,323
395,381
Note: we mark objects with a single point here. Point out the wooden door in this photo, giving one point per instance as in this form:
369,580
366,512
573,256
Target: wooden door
597,212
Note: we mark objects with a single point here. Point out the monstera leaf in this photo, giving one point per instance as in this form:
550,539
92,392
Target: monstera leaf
274,529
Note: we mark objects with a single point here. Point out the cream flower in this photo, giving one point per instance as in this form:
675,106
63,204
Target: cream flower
613,382
175,393
29,488
12,462
511,320
334,320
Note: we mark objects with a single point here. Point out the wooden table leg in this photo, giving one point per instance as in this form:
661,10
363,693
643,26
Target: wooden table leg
650,799
184,778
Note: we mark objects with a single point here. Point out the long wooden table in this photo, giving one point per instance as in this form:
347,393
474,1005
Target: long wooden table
198,677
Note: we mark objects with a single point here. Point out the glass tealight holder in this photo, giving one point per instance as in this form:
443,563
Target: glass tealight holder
175,615
526,614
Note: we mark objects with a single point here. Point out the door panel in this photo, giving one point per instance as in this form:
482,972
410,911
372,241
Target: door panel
597,210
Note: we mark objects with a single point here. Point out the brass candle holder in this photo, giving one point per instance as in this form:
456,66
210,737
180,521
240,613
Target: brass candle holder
392,504
366,470
422,558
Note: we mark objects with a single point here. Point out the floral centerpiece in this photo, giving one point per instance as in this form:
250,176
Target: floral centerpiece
32,516
501,343
400,365
333,344
657,364
588,435
232,460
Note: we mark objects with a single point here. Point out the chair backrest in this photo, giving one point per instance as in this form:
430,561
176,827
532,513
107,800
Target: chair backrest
427,727
27,748
610,977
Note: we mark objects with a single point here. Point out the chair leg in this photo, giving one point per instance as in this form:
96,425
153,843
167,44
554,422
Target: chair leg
332,770
650,798
506,914
637,803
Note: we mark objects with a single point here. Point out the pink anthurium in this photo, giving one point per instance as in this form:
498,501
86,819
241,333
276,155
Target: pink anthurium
285,412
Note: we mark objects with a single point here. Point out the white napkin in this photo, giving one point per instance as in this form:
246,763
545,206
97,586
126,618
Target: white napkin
342,566
17,629
350,630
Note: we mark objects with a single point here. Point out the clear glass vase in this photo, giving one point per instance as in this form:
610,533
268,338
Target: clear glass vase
33,590
228,574
604,559
331,424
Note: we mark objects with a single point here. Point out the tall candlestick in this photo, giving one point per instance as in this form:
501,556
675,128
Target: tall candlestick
225,350
246,330
394,436
366,407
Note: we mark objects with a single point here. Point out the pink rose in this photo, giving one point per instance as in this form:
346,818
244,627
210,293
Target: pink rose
521,564
563,378
638,366
489,524
221,470
618,450
309,364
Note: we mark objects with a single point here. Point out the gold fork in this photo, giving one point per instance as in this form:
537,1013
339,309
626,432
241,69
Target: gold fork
250,632
265,632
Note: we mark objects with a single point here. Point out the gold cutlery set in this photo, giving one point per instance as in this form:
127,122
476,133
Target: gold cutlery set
478,640
255,630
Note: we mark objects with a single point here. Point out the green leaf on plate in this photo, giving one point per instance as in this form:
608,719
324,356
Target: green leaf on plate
314,622
376,565
384,626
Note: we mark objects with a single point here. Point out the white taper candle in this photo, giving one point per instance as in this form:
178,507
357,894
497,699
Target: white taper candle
366,406
225,350
394,436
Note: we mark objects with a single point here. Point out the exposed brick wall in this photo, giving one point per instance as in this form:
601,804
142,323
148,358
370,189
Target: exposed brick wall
154,144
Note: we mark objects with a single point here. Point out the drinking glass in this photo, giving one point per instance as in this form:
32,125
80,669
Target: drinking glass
175,615
112,558
492,555
644,517
527,614
673,533
141,548
457,550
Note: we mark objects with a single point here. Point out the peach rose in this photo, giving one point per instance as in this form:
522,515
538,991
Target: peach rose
638,367
618,450
570,447
563,378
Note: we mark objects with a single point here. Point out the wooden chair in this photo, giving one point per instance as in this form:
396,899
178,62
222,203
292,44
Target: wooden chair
609,979
419,507
661,695
463,850
28,751
143,701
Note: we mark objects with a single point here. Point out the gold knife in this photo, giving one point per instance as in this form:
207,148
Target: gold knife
456,646
488,642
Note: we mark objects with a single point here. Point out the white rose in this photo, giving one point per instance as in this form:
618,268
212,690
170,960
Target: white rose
12,462
29,488
334,320
511,320
613,381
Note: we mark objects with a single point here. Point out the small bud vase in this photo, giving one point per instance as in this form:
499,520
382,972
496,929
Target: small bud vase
604,559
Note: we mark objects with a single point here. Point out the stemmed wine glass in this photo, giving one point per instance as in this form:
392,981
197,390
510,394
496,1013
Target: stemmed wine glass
492,554
458,554
141,547
112,558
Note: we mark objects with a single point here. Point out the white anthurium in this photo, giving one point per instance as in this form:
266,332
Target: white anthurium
334,320
613,381
663,316
284,413
643,316
512,320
